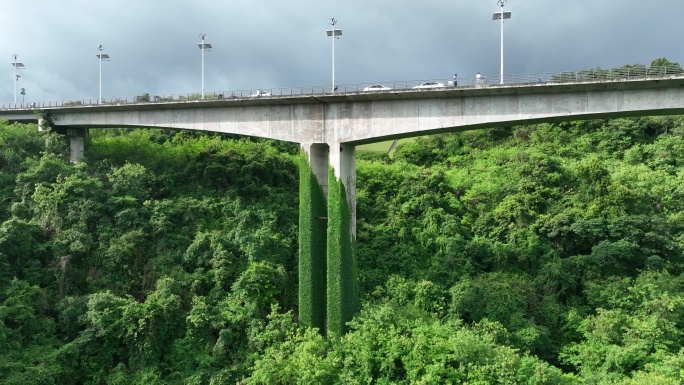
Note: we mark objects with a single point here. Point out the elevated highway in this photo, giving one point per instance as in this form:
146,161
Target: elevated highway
364,117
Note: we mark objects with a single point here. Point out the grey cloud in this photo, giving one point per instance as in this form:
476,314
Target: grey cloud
277,43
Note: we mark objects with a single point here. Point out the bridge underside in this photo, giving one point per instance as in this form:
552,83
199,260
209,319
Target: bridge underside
363,118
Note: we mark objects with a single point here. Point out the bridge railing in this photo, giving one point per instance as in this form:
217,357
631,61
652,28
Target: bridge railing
597,75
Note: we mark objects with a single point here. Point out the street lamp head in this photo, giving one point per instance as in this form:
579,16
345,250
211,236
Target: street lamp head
501,2
334,32
16,64
102,56
204,46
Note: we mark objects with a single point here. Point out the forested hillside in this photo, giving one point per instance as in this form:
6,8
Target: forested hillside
546,254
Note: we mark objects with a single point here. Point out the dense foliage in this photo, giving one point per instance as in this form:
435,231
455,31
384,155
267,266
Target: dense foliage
546,254
341,258
313,224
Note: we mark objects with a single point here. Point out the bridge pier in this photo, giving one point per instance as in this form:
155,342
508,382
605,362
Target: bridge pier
76,143
342,286
76,139
328,290
313,224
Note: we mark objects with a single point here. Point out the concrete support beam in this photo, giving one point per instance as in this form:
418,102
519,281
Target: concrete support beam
313,226
343,162
370,117
318,154
342,288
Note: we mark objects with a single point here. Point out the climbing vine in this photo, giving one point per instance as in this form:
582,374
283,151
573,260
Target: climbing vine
312,245
342,288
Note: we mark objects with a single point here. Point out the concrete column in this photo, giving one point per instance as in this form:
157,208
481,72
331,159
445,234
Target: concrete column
342,286
318,154
328,291
76,143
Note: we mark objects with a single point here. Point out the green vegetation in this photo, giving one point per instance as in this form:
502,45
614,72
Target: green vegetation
312,248
382,147
658,67
545,254
142,98
376,147
341,269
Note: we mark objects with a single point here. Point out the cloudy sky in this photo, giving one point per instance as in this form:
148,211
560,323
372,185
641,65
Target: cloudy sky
282,43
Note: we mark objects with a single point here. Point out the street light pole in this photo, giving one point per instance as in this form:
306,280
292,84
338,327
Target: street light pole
16,81
333,33
203,46
17,66
101,56
501,15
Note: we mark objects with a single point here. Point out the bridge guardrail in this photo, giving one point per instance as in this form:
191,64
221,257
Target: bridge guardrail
467,82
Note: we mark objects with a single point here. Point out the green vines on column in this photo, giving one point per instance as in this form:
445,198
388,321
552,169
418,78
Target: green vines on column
312,246
45,119
342,288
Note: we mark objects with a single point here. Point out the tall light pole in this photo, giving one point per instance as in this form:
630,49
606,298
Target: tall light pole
501,15
203,46
334,33
101,56
17,66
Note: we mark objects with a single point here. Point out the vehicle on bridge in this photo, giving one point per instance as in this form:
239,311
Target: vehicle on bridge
377,87
260,93
429,85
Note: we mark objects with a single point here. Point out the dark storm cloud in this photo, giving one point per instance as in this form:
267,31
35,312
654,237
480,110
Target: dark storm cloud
277,43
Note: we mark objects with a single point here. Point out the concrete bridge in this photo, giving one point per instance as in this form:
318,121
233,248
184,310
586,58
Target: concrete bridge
329,126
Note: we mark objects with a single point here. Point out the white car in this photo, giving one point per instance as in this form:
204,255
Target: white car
260,93
429,85
377,87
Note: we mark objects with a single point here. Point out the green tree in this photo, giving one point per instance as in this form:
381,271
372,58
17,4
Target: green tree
636,327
